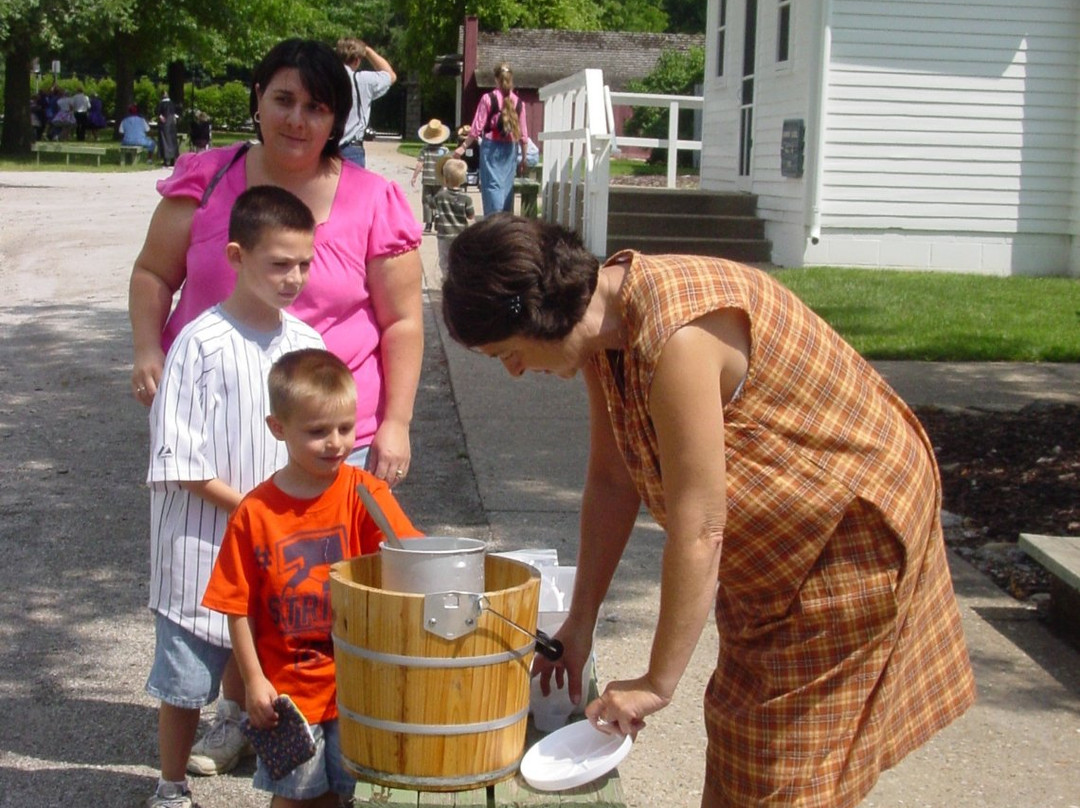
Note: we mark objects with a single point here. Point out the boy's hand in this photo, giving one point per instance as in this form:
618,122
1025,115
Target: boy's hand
260,704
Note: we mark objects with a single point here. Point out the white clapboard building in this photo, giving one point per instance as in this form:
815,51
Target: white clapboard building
925,134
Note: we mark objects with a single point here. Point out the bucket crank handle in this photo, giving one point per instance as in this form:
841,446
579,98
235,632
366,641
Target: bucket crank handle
545,645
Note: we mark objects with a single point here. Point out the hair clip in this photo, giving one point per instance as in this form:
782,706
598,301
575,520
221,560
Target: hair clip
514,304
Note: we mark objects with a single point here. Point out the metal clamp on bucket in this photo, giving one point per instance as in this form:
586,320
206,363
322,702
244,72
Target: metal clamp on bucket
454,614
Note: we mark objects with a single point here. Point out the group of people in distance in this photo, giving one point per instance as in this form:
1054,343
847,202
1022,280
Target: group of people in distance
798,494
57,115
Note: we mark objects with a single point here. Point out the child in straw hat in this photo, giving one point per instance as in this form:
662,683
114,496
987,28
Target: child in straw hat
434,134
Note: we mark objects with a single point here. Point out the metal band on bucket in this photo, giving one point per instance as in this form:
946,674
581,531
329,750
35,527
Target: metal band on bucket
419,783
432,662
434,729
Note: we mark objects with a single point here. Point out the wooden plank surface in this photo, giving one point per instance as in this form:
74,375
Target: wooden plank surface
1059,554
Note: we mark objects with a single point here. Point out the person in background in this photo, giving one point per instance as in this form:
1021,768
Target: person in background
63,121
363,293
453,206
96,119
201,131
135,131
499,126
166,130
279,614
367,85
798,494
434,134
80,106
208,447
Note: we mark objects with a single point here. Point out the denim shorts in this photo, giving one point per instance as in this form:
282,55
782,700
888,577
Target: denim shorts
324,772
187,670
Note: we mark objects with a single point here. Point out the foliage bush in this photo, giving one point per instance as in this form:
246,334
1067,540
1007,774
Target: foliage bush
676,73
226,104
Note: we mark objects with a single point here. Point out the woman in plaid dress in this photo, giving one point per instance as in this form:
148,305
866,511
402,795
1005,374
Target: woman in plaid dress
799,496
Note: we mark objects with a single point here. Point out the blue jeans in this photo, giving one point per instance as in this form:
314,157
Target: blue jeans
354,153
324,772
498,168
187,669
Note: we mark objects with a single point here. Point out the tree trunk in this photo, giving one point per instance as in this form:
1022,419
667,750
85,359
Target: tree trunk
176,75
18,133
125,77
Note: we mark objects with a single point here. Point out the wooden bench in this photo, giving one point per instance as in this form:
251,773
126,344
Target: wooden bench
129,155
1060,555
67,149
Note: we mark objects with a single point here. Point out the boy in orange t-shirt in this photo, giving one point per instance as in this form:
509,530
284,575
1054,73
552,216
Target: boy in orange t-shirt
272,573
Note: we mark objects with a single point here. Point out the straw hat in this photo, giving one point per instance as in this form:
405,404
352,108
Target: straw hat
434,132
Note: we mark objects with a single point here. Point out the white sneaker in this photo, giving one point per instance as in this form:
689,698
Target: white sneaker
220,749
170,796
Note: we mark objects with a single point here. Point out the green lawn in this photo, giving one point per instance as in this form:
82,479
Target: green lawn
941,316
110,162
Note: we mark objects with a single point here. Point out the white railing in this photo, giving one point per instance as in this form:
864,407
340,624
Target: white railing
674,103
577,142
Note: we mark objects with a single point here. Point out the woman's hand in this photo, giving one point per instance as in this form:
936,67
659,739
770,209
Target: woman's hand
390,452
576,636
260,703
621,710
146,373
159,271
396,289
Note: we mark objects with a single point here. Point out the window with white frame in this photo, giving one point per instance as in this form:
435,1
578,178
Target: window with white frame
783,30
721,34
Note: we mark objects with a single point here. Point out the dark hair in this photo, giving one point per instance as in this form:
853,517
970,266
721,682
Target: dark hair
511,276
322,74
264,207
309,374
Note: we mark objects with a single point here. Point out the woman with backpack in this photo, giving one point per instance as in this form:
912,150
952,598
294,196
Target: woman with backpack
499,126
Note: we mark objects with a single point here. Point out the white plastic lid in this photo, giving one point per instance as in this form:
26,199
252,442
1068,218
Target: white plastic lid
573,756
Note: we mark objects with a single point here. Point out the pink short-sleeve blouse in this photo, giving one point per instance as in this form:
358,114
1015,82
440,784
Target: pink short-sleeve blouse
369,218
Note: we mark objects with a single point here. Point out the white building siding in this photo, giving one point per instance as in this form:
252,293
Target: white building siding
952,117
951,135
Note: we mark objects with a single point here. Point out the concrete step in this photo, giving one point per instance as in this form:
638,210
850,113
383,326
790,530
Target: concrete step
664,220
663,223
671,200
734,249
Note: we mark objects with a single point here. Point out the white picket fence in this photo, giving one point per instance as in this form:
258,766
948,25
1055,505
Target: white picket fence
577,144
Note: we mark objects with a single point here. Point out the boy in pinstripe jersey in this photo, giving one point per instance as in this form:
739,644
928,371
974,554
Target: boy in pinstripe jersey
208,446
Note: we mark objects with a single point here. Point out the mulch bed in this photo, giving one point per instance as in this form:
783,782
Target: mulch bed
1008,473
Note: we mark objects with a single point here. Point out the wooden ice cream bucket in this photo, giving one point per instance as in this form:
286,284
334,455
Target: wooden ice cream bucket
418,710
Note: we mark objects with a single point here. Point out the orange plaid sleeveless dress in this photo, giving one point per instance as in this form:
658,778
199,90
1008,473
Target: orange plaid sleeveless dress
841,648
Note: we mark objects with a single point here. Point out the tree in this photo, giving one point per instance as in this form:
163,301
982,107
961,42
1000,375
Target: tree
675,73
686,16
28,27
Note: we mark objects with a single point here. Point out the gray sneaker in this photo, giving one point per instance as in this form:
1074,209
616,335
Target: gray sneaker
170,796
223,745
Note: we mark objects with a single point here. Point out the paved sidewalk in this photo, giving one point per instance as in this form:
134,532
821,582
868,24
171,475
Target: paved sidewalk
495,458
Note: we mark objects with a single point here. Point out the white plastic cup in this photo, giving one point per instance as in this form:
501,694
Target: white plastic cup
552,711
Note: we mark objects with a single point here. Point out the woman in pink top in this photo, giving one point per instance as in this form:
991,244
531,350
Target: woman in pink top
364,290
363,293
500,128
